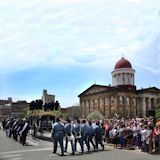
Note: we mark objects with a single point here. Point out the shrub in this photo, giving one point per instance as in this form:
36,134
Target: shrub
95,115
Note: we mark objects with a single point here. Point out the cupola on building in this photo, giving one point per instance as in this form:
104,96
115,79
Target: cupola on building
122,97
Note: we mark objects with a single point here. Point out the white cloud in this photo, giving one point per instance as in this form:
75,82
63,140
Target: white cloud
135,1
73,32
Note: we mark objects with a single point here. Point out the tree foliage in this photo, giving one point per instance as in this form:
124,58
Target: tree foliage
24,113
158,114
95,115
38,105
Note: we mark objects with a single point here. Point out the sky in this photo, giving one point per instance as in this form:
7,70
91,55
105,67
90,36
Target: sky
65,46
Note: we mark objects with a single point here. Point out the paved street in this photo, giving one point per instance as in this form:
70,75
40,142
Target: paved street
39,149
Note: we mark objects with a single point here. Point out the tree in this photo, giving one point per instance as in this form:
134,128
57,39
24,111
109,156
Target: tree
45,107
24,112
52,106
95,115
56,105
36,105
32,105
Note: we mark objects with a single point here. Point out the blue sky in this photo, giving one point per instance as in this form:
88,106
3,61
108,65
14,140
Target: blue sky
65,46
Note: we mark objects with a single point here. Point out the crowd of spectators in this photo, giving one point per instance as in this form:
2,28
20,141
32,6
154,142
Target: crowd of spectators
140,134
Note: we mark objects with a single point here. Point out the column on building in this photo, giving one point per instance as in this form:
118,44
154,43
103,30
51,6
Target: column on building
149,103
106,105
96,104
116,103
126,80
144,107
135,106
154,102
85,109
81,109
91,105
89,109
130,105
109,106
99,105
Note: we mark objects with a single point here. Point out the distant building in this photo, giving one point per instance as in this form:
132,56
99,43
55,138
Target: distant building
122,97
18,107
9,108
5,108
2,101
47,98
5,111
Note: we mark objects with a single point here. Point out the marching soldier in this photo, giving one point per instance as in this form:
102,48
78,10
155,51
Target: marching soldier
98,135
58,133
91,134
85,134
69,135
78,135
19,128
14,129
24,131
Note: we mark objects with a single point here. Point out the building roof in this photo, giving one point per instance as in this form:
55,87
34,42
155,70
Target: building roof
149,90
123,63
95,88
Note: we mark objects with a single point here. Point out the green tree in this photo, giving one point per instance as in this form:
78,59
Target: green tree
24,113
157,112
95,115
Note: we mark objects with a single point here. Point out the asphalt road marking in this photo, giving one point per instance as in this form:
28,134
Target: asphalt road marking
27,150
11,155
18,158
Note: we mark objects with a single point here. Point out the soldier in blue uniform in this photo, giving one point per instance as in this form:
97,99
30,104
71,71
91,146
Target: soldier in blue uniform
91,134
69,135
78,135
85,134
24,131
98,131
58,133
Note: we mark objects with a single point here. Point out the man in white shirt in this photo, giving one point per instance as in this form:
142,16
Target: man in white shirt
143,138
